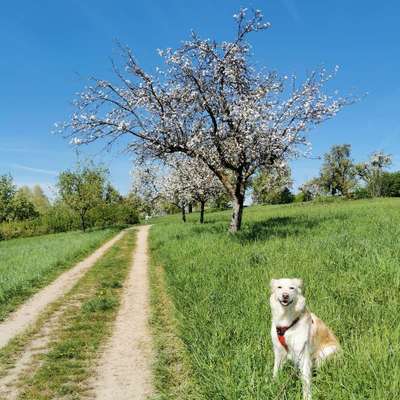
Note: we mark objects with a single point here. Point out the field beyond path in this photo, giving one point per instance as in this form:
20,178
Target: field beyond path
124,371
28,313
347,253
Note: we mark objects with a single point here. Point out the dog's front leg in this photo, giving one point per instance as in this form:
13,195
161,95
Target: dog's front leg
305,365
280,355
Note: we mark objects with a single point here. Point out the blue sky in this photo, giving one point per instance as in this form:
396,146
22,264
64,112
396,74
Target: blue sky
49,48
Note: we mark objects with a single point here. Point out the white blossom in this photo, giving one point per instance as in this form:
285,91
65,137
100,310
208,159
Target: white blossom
75,141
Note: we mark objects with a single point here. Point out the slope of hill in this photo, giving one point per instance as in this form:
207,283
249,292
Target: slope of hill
348,254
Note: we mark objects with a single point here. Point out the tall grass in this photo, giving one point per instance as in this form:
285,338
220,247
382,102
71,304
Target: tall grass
348,254
30,263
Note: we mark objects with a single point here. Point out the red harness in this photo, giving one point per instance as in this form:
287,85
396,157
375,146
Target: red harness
281,330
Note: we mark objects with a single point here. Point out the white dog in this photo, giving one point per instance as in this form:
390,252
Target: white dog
296,333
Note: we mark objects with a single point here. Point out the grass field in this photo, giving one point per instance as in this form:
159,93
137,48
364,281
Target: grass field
348,254
28,264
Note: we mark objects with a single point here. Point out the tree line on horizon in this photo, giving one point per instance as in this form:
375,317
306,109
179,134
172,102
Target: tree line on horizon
339,177
85,200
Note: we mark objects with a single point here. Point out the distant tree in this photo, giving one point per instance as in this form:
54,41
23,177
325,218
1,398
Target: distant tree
82,189
7,193
338,172
22,207
390,184
147,184
197,182
37,197
112,196
283,196
210,103
26,191
311,189
40,200
128,210
272,187
221,202
371,172
175,192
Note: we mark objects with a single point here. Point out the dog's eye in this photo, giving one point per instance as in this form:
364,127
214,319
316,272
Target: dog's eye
279,287
291,288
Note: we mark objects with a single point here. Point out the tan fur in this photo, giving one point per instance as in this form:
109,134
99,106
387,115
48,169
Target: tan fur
307,340
321,338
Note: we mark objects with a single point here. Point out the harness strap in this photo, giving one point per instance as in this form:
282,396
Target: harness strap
281,330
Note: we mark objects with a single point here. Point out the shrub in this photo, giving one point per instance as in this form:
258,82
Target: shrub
361,193
27,228
300,197
391,184
284,196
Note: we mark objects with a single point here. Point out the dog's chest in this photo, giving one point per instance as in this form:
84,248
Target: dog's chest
294,339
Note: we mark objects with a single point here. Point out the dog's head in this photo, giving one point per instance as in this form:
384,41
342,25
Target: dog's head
287,290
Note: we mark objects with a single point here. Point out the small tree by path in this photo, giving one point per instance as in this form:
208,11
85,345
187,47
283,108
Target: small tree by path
210,103
82,190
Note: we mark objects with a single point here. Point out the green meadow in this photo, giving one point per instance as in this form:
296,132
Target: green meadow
348,254
28,264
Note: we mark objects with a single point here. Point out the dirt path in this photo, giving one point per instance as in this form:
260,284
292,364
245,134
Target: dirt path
9,389
124,371
28,313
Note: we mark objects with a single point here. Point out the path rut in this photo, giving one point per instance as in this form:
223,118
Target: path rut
124,370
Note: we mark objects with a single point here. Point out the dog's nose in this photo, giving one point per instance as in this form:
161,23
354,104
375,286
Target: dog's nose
285,296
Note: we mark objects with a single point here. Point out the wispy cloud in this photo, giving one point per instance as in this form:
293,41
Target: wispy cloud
33,169
22,150
291,8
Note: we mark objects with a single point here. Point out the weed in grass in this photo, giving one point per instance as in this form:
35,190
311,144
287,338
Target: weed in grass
113,284
101,303
348,254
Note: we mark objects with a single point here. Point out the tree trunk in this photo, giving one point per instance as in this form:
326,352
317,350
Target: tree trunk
183,214
236,221
237,195
190,208
202,204
83,223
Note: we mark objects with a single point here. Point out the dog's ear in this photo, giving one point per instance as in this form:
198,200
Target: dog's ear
273,284
299,283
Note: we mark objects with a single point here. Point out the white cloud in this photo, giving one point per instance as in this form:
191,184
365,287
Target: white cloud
33,169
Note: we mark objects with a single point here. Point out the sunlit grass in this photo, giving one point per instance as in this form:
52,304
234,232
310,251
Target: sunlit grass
348,254
28,264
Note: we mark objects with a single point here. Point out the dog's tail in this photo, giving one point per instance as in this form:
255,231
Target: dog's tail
325,342
326,352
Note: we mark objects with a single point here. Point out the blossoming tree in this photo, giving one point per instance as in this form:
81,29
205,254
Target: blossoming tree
371,172
194,180
210,103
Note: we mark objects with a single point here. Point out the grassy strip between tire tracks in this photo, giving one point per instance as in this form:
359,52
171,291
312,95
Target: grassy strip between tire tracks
65,369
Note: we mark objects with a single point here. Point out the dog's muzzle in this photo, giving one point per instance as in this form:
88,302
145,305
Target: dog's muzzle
285,303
